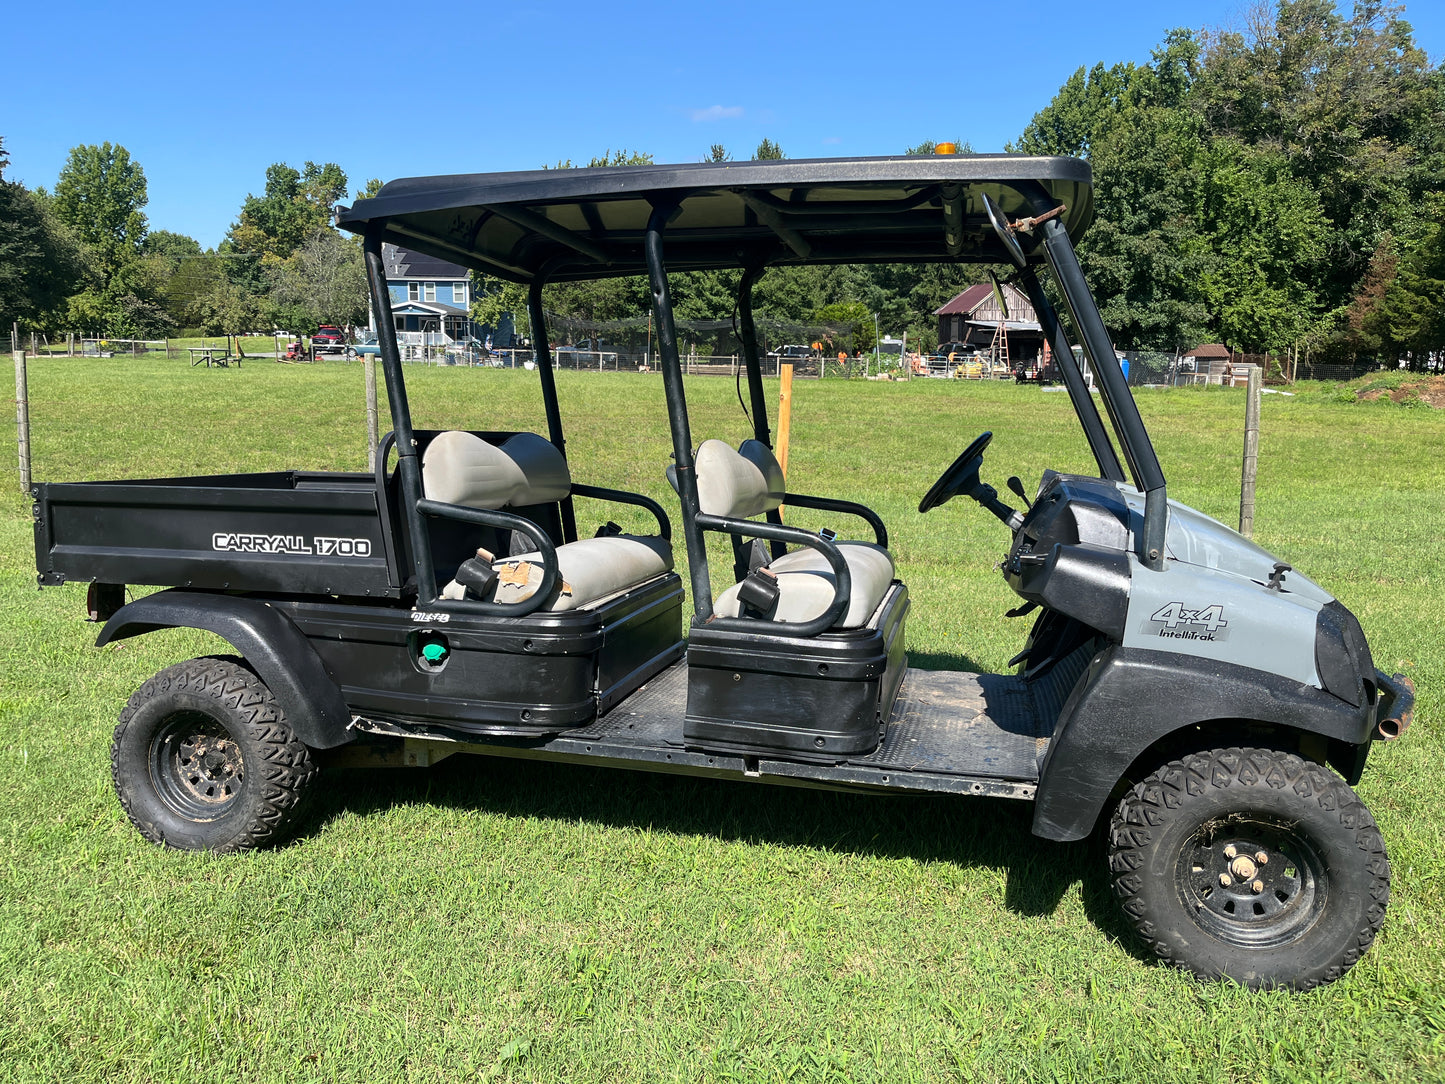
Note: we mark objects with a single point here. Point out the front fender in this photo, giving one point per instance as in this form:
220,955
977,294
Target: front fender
266,638
1132,698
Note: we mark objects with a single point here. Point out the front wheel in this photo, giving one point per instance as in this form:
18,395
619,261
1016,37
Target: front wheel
1250,864
204,760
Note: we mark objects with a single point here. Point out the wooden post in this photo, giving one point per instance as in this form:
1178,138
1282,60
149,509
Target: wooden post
22,420
1251,453
371,412
785,418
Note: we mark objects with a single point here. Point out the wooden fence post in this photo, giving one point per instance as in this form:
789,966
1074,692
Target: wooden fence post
785,418
371,412
1251,453
22,420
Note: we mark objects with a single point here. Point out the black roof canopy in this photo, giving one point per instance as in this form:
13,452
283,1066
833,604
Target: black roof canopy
591,223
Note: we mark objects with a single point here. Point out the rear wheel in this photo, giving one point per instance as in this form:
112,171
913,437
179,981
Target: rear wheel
1250,864
203,759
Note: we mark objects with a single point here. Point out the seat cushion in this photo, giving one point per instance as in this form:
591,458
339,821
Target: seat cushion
739,484
525,469
592,569
806,585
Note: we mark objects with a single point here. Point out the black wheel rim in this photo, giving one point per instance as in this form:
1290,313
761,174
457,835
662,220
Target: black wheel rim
196,766
1252,881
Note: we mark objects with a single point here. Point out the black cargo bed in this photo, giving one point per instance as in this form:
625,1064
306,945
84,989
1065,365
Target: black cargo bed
301,532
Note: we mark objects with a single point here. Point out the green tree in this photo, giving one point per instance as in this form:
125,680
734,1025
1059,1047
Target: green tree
324,282
295,204
851,319
767,150
718,153
40,261
100,195
1349,102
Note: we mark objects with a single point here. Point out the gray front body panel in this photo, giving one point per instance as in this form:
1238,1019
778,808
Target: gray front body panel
1213,601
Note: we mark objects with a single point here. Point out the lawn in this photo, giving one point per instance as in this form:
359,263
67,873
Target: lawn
501,920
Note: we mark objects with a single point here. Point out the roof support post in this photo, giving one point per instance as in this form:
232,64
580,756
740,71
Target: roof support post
407,466
542,351
684,468
1094,431
1123,411
748,332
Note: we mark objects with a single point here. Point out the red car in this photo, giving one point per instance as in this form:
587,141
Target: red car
328,340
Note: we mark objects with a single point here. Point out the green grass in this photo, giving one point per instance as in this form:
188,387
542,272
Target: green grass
500,920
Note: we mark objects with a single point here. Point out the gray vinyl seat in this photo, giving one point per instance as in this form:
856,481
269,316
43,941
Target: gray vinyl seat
748,482
524,470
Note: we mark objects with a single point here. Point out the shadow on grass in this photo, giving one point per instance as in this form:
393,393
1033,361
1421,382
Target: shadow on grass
965,831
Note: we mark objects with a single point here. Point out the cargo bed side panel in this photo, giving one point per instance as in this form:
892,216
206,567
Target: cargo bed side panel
289,531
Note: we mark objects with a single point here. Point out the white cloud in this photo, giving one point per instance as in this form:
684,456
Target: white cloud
716,112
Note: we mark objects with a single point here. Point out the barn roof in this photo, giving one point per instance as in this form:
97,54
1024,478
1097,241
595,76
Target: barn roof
967,301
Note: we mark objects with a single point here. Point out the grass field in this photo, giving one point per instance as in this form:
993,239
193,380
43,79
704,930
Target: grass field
512,921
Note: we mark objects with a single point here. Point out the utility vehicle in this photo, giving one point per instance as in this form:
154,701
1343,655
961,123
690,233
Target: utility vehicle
1204,705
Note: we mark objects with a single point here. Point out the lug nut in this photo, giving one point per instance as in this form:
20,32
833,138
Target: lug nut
1261,857
1230,851
1224,880
1257,887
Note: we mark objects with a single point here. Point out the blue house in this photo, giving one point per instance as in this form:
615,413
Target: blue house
429,297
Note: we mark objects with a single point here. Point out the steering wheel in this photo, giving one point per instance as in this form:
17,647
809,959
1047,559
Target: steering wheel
961,475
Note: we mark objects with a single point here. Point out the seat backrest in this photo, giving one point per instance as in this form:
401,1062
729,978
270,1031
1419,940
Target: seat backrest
525,469
738,484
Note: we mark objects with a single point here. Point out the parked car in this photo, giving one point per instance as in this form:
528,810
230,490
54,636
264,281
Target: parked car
365,344
792,353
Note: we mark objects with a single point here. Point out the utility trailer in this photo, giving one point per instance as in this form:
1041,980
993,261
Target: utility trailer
1197,701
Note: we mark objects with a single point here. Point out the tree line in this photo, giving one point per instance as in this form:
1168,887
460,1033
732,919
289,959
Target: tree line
83,257
1279,187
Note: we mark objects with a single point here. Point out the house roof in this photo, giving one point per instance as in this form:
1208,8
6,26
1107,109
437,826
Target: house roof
404,263
1209,350
967,301
427,308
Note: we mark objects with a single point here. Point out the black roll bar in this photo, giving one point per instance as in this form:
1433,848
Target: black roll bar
1123,412
748,332
685,470
542,351
408,469
1094,431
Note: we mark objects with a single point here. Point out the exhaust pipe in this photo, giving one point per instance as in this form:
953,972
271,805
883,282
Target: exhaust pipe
1397,706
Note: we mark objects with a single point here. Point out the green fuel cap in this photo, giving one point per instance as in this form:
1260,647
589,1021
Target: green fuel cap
434,652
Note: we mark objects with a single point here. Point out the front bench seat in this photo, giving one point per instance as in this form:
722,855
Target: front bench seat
749,482
526,469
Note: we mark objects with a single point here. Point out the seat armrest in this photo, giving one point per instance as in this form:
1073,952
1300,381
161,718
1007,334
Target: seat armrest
843,578
551,576
622,496
852,508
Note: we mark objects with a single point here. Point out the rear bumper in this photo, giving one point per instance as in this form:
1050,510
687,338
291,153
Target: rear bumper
1396,706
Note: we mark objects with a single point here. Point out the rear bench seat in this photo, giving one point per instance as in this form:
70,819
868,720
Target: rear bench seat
526,469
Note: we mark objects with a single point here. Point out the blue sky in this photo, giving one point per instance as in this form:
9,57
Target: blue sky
206,96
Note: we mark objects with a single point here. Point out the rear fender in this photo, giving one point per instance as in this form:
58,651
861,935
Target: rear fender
1131,699
269,642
